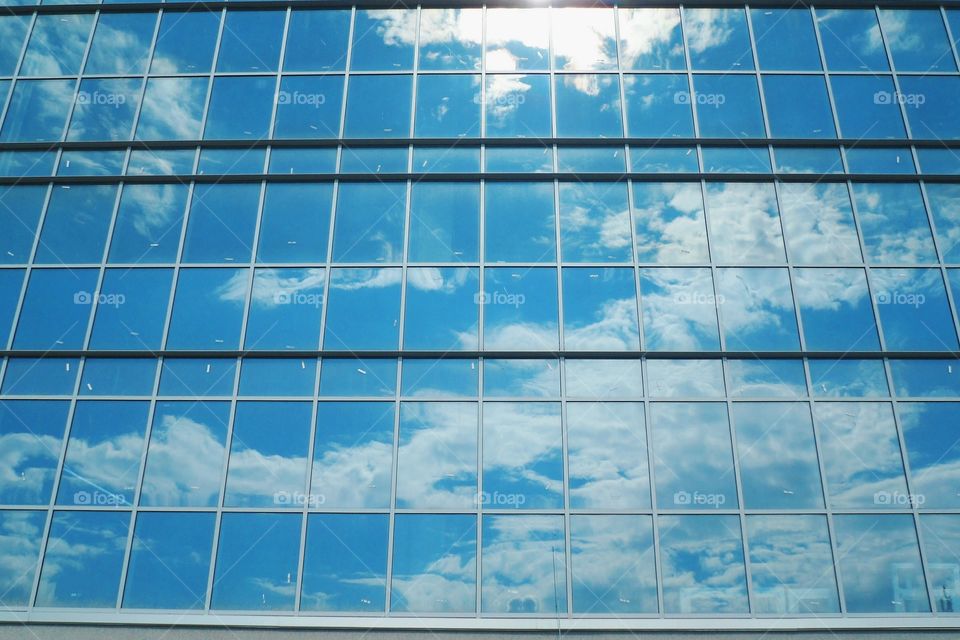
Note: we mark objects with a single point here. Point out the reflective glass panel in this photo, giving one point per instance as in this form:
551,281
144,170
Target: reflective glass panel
867,107
121,43
797,106
594,222
32,432
105,110
317,40
650,38
685,378
309,107
118,376
930,378
20,536
363,309
766,378
251,41
941,535
208,309
583,39
818,223
744,223
383,39
450,39
56,309
285,309
278,377
353,377
57,45
442,308
603,378
522,456
517,106
728,106
588,106
295,222
536,585
369,222
848,378
186,42
894,223
38,110
20,208
931,431
532,325
240,108
756,309
520,222
785,39
913,309
851,40
917,39
76,224
444,222
718,39
518,39
679,310
440,378
944,202
517,378
448,106
172,109
600,309
131,309
836,310
669,222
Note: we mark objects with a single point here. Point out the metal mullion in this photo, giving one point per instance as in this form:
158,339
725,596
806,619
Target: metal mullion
478,498
227,455
951,37
831,100
276,90
483,82
188,205
651,480
565,487
251,281
55,489
102,268
5,105
874,306
394,462
480,298
756,70
79,76
143,88
944,272
738,483
689,73
138,487
212,75
28,268
721,334
308,491
893,74
791,276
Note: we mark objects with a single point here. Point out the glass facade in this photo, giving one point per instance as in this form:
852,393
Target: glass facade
492,311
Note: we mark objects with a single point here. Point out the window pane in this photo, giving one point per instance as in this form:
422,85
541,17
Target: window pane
702,564
603,378
669,222
160,162
728,106
56,309
718,39
791,565
818,223
20,534
448,106
240,108
345,563
32,432
861,454
446,159
756,310
785,39
848,378
103,454
131,309
658,105
522,456
383,40
83,559
434,564
940,539
450,39
518,106
118,376
518,39
584,39
679,310
607,447
836,310
880,564
353,455
520,222
931,104
444,222
40,376
931,431
222,223
594,222
268,454
650,38
251,41
851,40
208,309
766,378
38,110
808,160
369,222
744,222
295,223
894,223
685,378
309,107
588,106
944,201
442,309
300,160
509,325
172,109
169,561
613,564
515,378
917,39
437,459
693,458
317,40
913,309
186,42
121,43
600,309
186,454
20,208
149,219
57,45
13,29
777,455
290,377
76,224
867,107
363,312
538,584
376,378
196,377
285,309
440,378
797,106
930,378
257,561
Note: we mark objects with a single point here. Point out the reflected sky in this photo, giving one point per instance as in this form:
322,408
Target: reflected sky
434,563
524,570
522,456
679,311
613,564
20,536
669,222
